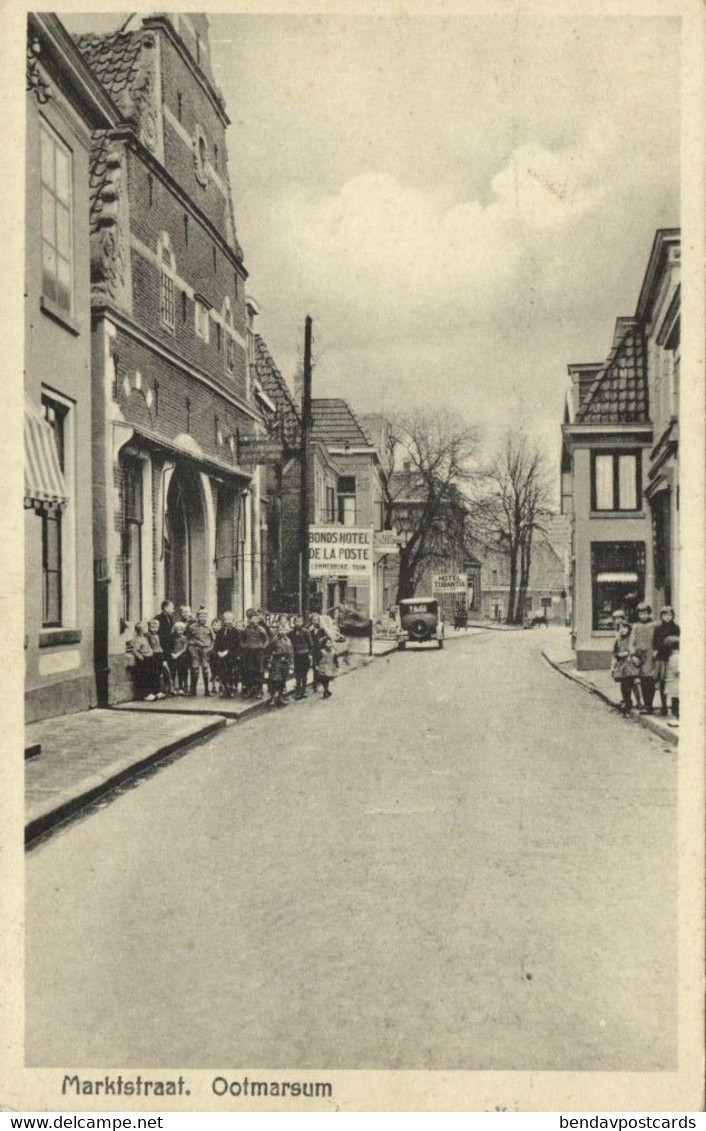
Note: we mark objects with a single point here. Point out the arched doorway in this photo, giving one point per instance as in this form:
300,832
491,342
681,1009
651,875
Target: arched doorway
185,548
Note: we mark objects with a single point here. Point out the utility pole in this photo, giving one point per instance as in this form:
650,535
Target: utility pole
306,433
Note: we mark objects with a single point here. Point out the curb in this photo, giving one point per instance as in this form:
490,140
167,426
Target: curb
98,786
643,720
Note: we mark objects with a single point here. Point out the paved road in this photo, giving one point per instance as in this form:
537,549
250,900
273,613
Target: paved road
460,861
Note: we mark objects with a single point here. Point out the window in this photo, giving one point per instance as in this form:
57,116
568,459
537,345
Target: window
167,311
215,259
230,344
215,157
378,514
201,320
180,104
495,577
346,500
528,604
330,505
133,518
201,156
615,481
150,189
56,220
183,306
186,228
218,336
618,576
52,590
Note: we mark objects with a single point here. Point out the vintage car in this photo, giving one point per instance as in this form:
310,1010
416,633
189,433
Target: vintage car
419,622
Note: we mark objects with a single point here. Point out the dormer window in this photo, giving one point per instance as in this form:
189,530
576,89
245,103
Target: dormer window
201,320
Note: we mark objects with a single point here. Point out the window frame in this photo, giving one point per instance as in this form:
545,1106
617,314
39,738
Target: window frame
616,455
57,142
202,320
635,551
167,283
60,520
344,497
132,587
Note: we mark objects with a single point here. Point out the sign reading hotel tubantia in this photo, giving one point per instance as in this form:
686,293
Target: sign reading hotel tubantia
450,582
341,549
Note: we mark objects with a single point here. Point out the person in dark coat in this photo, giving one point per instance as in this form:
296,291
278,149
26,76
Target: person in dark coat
254,644
165,620
319,636
227,649
666,653
642,637
301,647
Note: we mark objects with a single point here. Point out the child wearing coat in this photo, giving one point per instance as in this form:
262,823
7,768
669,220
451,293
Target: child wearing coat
326,666
281,659
161,675
666,654
200,641
643,642
227,649
143,670
624,667
180,658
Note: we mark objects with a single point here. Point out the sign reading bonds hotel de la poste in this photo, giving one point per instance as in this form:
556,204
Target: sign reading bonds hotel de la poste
341,550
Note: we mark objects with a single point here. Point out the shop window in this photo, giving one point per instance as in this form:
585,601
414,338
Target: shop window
201,320
57,220
618,580
133,519
346,500
615,481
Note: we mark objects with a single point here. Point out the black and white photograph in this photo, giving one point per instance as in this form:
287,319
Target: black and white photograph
362,535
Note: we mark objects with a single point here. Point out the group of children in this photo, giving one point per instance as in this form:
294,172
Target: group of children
645,659
171,653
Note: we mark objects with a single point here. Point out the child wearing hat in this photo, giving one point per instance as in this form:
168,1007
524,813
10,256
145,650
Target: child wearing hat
643,642
624,667
666,653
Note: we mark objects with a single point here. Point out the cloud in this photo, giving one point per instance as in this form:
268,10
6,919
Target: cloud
385,260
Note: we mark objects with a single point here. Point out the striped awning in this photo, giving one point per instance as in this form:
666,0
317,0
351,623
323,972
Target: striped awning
44,479
617,576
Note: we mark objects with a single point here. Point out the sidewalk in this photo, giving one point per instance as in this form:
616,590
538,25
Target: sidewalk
86,755
559,653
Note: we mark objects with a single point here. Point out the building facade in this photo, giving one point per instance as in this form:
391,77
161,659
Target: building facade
620,464
174,514
65,105
548,589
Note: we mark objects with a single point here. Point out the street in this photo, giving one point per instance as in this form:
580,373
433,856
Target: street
459,861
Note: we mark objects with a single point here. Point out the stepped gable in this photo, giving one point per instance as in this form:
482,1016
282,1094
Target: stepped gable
276,388
336,425
114,59
618,395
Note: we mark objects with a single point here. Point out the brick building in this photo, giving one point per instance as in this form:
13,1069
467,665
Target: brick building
548,589
174,513
65,104
620,463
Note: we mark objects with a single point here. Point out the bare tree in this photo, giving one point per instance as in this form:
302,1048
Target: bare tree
509,512
429,458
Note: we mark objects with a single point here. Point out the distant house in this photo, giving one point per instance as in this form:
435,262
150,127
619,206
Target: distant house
619,463
547,593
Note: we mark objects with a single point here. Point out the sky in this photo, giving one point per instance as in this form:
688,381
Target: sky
463,204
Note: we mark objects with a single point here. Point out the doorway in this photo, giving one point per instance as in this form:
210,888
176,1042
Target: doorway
185,552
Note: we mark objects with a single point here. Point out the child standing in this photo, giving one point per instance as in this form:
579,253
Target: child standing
281,656
255,641
623,668
227,647
301,647
200,640
180,658
666,653
326,666
143,671
214,659
161,675
643,643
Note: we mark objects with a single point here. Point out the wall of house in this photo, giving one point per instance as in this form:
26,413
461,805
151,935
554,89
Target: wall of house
593,647
59,662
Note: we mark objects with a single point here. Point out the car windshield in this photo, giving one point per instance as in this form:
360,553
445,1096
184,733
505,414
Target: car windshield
419,607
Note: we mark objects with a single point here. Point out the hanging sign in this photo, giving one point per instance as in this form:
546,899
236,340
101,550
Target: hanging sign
386,542
345,550
450,582
253,452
